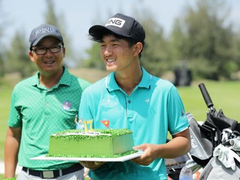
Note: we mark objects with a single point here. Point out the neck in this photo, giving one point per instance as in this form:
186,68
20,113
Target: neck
129,80
49,80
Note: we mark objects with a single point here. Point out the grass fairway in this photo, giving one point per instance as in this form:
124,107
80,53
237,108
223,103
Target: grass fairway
224,95
5,95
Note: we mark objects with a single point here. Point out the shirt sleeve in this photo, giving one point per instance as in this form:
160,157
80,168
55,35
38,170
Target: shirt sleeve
178,121
14,119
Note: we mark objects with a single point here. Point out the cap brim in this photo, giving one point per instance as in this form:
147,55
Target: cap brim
99,29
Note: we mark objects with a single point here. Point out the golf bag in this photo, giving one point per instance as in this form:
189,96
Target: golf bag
215,145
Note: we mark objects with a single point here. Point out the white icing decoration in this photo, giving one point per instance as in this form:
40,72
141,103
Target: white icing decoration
83,134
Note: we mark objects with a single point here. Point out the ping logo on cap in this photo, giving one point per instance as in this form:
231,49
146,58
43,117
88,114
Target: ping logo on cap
115,22
46,30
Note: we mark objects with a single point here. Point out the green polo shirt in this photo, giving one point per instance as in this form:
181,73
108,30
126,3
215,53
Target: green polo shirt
41,112
150,111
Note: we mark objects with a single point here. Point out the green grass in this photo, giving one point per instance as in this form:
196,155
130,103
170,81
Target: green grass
223,94
5,96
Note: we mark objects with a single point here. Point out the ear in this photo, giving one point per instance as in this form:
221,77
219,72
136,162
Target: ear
30,54
138,48
63,51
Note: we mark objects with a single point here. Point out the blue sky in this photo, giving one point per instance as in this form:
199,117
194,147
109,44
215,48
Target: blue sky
81,14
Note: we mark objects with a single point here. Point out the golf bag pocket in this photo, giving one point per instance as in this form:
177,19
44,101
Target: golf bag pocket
215,170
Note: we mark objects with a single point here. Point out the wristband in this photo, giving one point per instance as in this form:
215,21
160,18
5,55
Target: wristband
9,178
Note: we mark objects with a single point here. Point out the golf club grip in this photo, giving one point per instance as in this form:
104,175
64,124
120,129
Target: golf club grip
205,95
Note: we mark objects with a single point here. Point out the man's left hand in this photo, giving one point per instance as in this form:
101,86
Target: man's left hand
150,153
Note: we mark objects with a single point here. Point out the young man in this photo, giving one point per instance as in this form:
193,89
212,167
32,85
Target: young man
130,97
41,105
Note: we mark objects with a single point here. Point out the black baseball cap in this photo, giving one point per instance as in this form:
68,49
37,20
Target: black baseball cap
42,31
122,25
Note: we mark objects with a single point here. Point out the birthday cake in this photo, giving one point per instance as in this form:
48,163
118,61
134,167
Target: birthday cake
97,143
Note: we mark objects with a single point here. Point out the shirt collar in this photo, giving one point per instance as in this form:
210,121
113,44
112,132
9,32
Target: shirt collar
64,80
112,85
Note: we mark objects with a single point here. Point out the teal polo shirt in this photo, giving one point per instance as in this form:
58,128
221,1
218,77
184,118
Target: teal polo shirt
150,111
41,112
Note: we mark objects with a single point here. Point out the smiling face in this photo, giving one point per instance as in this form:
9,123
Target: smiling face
48,63
117,54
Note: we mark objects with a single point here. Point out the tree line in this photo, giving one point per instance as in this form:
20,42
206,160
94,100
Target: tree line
202,40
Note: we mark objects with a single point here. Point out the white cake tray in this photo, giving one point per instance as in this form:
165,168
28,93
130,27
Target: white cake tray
118,159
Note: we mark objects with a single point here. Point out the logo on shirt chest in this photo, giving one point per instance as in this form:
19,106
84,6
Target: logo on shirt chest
67,105
147,100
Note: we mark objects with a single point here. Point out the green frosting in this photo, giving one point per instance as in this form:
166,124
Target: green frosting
75,143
